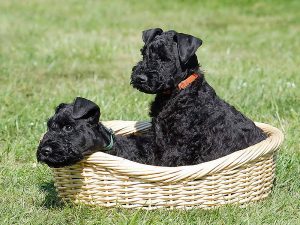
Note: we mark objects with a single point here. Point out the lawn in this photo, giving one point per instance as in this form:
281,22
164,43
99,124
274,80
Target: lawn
53,51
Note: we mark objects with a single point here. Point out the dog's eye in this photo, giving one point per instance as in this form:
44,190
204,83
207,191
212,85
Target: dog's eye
67,128
153,49
163,56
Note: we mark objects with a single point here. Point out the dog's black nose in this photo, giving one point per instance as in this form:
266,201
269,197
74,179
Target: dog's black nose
142,78
46,150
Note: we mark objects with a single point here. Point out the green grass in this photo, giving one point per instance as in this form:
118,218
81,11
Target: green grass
53,51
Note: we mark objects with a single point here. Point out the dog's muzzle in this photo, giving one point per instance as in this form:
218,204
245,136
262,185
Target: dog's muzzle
141,79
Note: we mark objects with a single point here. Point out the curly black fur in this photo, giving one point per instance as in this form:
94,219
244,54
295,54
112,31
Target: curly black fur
74,132
192,125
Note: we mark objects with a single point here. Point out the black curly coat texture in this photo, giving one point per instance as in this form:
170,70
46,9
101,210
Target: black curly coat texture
74,131
192,125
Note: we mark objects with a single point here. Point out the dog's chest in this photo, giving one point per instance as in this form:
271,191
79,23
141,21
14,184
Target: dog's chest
177,115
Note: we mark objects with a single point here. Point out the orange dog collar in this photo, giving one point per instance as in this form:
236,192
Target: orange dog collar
183,84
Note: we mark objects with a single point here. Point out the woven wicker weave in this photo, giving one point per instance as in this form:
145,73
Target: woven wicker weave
105,180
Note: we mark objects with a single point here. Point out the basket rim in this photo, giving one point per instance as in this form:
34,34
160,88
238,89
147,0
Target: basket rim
152,173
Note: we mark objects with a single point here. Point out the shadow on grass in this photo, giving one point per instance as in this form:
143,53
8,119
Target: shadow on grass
51,197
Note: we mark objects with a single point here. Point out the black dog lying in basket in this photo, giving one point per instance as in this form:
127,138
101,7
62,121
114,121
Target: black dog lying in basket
74,131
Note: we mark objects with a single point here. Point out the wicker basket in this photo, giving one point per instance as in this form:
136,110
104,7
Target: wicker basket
105,180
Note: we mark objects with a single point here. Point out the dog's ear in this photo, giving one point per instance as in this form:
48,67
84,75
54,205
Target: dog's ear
187,46
85,109
60,106
148,35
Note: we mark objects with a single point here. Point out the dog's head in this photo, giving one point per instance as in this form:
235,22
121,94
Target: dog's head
73,132
167,56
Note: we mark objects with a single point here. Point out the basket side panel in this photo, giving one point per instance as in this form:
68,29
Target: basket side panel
98,186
